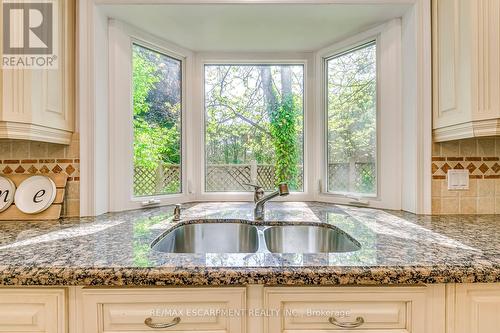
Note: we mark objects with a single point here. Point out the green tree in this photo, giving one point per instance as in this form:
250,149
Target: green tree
255,113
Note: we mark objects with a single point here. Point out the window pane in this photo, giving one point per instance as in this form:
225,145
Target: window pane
157,91
352,121
254,126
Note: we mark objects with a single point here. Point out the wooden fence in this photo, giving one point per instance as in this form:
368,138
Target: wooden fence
164,179
354,177
232,177
343,177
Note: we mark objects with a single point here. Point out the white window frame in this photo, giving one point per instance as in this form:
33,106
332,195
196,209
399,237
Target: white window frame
324,83
389,116
121,173
303,59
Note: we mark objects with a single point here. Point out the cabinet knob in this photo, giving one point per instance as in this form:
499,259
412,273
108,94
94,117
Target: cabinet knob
358,322
149,323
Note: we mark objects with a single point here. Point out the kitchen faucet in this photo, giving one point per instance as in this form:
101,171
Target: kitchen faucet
258,192
260,200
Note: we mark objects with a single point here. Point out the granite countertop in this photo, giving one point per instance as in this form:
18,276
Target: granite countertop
114,249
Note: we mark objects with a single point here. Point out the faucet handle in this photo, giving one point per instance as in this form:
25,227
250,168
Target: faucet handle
177,212
258,191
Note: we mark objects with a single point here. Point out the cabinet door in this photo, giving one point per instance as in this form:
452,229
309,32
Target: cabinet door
201,310
32,310
486,63
477,308
39,104
466,68
451,41
321,310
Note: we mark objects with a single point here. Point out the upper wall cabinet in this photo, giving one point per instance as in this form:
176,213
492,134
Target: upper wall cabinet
466,68
39,104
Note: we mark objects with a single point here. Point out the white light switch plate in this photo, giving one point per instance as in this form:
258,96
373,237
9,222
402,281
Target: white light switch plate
458,179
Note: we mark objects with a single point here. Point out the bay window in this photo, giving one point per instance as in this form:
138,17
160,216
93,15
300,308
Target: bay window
351,105
363,119
189,126
157,105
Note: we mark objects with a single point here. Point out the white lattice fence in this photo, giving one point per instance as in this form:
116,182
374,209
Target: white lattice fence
162,180
219,178
359,177
265,176
232,177
227,177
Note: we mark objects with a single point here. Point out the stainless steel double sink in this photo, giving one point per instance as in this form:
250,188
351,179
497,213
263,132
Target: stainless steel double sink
229,237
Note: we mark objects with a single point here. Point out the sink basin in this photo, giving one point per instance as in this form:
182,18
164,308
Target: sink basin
308,239
209,238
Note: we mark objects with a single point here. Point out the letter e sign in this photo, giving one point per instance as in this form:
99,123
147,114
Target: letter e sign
35,194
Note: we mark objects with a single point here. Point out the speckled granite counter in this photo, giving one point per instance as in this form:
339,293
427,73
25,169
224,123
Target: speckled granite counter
114,250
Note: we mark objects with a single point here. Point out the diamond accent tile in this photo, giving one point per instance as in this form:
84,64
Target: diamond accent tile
32,169
70,169
7,170
459,166
445,167
434,168
483,168
46,166
471,167
57,169
496,167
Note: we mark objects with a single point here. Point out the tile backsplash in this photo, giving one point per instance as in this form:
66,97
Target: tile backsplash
30,157
482,158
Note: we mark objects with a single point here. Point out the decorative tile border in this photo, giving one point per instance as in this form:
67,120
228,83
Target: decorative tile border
69,166
479,167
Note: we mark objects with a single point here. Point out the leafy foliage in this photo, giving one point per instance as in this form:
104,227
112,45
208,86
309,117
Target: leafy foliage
157,108
157,115
284,133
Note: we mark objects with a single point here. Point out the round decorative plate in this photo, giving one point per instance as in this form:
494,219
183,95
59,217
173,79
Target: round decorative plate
35,194
7,191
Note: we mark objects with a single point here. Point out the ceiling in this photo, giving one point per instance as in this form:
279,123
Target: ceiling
254,28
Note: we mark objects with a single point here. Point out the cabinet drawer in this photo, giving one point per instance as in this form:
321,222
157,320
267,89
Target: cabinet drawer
381,309
32,310
316,315
200,310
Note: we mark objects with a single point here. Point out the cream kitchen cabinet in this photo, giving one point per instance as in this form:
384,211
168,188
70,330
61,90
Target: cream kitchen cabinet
435,308
466,68
32,310
39,104
475,308
201,310
379,309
